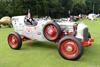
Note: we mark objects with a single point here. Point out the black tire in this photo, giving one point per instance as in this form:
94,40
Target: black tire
58,30
78,43
89,35
18,38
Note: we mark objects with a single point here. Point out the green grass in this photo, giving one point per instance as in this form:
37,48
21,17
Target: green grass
42,54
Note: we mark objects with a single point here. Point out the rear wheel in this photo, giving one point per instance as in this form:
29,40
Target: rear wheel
70,48
14,41
51,31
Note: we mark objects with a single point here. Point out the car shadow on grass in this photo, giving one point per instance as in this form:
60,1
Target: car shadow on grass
39,45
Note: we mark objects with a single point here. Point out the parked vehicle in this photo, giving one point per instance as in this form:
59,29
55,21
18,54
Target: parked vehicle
92,16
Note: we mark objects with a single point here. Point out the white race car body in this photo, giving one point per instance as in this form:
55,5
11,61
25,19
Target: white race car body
36,32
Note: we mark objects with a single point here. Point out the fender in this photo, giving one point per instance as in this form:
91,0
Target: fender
80,30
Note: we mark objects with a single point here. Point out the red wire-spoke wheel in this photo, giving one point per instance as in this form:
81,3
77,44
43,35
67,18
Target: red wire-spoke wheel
51,31
70,48
14,41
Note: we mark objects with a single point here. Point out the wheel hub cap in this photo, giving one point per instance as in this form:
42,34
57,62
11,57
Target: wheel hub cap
69,49
50,32
13,40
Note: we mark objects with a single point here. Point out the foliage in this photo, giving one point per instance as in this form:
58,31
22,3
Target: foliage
53,8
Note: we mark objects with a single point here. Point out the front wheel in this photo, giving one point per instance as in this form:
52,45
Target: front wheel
15,41
70,48
51,31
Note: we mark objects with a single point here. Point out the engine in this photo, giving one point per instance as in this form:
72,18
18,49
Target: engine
73,29
68,28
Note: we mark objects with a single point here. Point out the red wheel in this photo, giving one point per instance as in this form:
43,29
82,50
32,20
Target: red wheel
15,41
70,48
51,31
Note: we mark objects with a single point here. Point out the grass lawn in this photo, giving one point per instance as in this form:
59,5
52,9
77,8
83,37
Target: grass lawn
42,54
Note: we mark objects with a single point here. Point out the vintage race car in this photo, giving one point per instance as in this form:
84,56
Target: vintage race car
71,37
